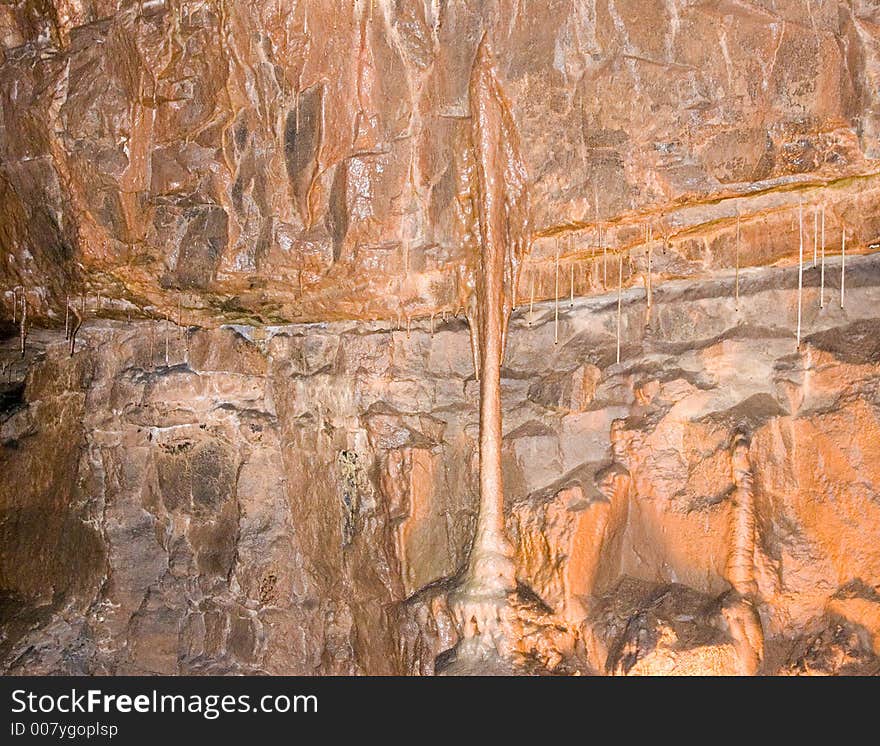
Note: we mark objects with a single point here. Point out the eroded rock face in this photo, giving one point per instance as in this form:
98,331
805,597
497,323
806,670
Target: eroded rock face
301,499
259,453
261,161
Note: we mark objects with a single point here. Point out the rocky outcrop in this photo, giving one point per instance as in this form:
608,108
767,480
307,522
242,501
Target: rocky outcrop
301,498
256,162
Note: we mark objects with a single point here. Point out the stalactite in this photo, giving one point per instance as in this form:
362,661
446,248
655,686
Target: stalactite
649,279
604,261
736,271
619,298
23,330
842,264
503,212
532,299
556,299
800,270
822,271
571,285
67,316
74,329
815,235
475,351
167,323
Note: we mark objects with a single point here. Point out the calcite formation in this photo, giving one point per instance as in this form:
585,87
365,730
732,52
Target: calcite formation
439,337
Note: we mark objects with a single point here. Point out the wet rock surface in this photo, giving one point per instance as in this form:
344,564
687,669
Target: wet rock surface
301,499
255,162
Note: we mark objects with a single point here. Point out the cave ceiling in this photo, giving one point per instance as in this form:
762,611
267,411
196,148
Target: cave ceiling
270,162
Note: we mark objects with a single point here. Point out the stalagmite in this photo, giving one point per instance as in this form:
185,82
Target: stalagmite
842,264
619,297
822,271
738,608
800,270
480,601
740,559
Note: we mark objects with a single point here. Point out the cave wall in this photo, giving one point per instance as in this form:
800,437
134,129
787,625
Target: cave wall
276,162
288,499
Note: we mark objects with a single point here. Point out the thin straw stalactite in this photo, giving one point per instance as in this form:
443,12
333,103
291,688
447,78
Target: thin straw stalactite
532,295
24,311
649,282
556,293
842,264
619,298
822,271
800,270
736,271
78,320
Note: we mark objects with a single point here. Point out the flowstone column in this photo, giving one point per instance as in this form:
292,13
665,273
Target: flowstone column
479,603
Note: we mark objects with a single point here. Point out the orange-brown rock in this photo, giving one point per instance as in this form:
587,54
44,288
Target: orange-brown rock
284,236
299,499
308,163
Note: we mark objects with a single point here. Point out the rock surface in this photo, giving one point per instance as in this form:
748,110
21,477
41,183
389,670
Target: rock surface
261,162
299,499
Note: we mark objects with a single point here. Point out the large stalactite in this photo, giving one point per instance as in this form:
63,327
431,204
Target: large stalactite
502,207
